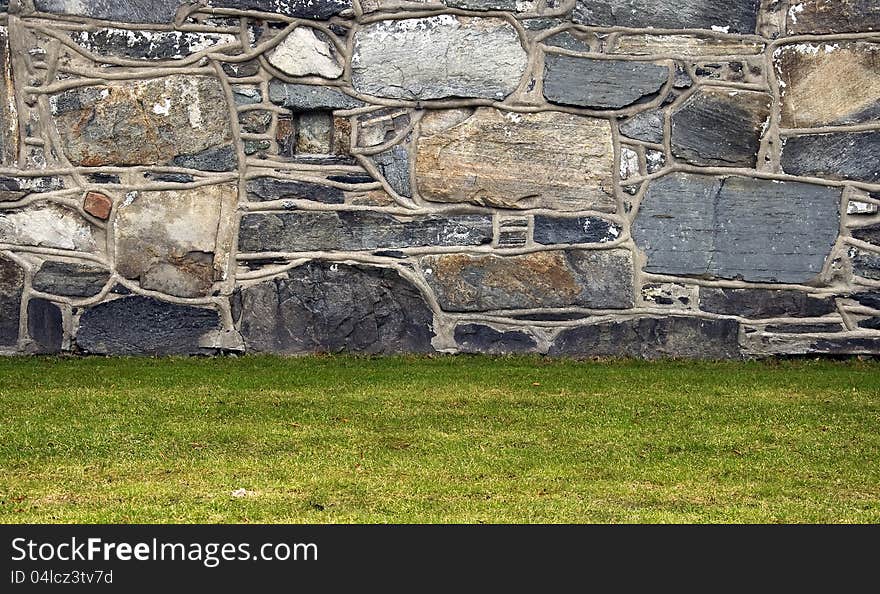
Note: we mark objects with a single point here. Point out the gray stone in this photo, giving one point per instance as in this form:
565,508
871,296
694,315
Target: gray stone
600,279
221,158
764,303
245,95
358,230
70,280
129,11
870,323
304,9
45,325
263,189
646,126
479,338
869,234
733,16
601,84
256,121
329,307
11,286
832,16
139,325
763,344
839,155
567,40
309,97
865,264
437,57
759,230
552,230
804,328
9,137
720,127
394,166
14,188
242,69
868,299
147,45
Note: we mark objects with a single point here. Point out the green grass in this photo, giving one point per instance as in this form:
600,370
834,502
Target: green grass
447,439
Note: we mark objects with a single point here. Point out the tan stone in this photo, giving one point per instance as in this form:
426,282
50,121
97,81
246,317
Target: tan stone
98,205
512,160
686,46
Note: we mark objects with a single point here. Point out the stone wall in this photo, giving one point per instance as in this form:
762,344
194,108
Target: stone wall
649,178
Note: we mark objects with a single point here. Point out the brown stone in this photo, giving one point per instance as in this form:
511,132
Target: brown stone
685,46
98,205
833,16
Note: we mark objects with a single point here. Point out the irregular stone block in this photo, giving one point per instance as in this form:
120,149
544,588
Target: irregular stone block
146,122
825,84
479,338
256,121
309,97
601,84
305,51
130,11
509,160
652,338
8,110
804,328
11,286
832,16
70,280
303,231
437,57
328,307
730,16
263,189
221,158
868,299
147,45
304,9
720,127
14,188
51,226
670,295
870,234
839,155
759,230
574,40
763,344
764,303
175,241
393,164
98,205
139,325
551,230
684,46
647,126
45,325
585,278
865,264
506,5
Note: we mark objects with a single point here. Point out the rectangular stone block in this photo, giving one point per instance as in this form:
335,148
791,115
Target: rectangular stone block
600,84
837,155
729,16
764,303
832,16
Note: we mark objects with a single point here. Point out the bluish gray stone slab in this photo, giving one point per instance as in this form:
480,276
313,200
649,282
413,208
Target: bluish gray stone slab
309,97
764,303
70,280
600,84
304,9
45,325
554,230
734,16
127,11
840,155
263,189
646,126
11,285
479,338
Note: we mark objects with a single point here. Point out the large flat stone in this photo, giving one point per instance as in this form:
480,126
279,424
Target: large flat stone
51,226
601,279
764,303
733,16
437,57
45,325
8,110
129,11
832,16
70,280
870,234
358,230
263,189
306,51
328,307
297,97
865,264
147,45
759,230
685,46
601,84
11,286
549,230
304,9
509,160
838,155
483,339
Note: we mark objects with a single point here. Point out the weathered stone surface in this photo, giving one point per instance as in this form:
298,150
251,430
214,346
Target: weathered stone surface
45,325
70,280
865,264
551,230
393,164
221,158
684,46
759,230
256,121
11,285
145,122
646,126
762,344
764,303
328,307
479,338
8,110
672,295
308,97
14,188
509,160
246,95
720,127
824,84
139,325
51,226
804,328
130,11
574,40
730,16
175,241
305,51
601,84
305,9
652,338
507,5
263,189
436,57
870,234
832,16
147,45
839,155
98,205
586,278
358,230
868,299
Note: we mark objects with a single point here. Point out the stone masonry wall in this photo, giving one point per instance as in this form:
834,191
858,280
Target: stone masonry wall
648,178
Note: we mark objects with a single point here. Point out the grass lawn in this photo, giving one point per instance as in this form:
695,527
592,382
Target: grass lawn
447,439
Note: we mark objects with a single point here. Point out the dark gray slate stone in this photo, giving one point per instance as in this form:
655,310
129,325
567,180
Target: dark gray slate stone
870,234
263,189
358,230
739,16
144,326
834,16
304,9
127,11
865,264
804,328
45,325
868,299
764,303
568,41
870,323
147,45
551,317
394,165
242,69
11,284
719,127
652,338
646,126
552,230
221,158
600,84
328,307
15,187
479,338
847,346
759,230
840,155
70,280
308,97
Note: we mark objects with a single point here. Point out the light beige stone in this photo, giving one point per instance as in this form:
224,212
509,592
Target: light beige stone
303,53
685,46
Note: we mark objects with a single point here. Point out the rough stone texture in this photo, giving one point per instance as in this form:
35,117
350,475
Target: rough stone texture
147,45
551,230
13,188
720,127
393,164
435,57
299,97
131,11
143,122
173,240
684,46
50,226
8,110
870,234
45,325
138,325
670,295
305,51
652,338
759,230
262,189
304,9
868,299
832,16
479,338
826,84
98,205
585,278
358,230
70,280
865,264
764,303
510,160
221,158
733,16
11,286
601,84
328,307
838,155
647,126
